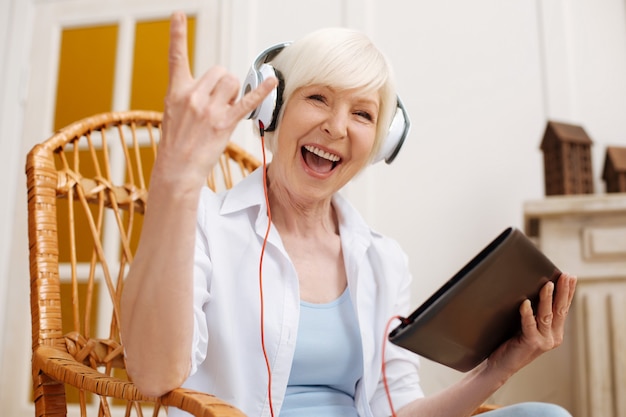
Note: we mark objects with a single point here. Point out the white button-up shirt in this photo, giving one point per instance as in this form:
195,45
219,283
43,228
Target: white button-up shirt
227,358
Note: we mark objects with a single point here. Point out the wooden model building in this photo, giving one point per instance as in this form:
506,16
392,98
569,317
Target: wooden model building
614,171
567,159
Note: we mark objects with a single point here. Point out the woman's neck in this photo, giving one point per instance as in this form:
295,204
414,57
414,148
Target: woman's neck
299,216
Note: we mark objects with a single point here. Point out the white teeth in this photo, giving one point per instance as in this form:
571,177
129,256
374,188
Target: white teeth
322,154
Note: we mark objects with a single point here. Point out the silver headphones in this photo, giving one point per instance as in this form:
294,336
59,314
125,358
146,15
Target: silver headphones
267,112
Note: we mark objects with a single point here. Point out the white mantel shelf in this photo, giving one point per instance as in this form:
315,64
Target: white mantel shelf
576,204
586,235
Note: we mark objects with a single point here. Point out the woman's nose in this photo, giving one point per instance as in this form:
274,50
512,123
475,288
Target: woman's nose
336,125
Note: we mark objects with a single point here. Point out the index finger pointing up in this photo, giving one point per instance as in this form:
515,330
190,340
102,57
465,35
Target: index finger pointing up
178,60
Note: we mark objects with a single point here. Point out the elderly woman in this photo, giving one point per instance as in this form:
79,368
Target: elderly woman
310,343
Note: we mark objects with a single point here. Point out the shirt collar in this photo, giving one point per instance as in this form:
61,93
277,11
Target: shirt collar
246,194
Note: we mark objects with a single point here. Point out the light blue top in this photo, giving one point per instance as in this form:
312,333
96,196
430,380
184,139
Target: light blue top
328,361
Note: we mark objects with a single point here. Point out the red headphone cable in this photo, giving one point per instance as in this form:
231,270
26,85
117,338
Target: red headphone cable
267,232
383,367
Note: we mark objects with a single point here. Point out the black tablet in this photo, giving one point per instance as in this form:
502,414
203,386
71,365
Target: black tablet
473,313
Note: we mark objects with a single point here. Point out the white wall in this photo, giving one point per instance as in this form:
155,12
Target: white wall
479,78
15,28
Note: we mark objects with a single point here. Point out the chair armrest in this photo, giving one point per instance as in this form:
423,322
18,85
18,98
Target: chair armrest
61,366
200,404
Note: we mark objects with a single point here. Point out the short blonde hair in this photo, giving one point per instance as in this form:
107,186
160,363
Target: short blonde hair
340,58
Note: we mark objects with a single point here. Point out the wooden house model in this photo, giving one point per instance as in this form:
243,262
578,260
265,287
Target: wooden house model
614,171
567,159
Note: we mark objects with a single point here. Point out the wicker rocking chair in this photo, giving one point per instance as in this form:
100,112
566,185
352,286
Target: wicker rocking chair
87,191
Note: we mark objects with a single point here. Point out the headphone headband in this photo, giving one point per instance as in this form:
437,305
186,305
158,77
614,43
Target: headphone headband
269,54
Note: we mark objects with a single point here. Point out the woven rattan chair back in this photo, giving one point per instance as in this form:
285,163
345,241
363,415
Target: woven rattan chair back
87,191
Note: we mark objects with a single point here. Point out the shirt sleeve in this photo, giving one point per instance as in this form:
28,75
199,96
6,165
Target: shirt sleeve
401,365
201,295
402,371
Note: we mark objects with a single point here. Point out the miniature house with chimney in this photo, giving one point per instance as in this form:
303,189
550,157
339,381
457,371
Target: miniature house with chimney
614,171
567,159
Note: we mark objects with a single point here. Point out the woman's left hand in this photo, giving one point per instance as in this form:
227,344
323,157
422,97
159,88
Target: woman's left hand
540,333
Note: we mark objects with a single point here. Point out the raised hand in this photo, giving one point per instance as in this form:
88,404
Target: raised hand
200,114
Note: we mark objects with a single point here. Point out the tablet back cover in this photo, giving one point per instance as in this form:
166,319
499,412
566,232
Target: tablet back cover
478,308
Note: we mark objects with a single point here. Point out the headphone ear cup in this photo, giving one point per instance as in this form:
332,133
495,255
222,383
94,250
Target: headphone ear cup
398,131
265,111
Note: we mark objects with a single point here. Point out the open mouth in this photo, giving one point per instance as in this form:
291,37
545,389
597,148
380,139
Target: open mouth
319,160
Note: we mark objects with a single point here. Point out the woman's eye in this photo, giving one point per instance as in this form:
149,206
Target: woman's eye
317,97
365,115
